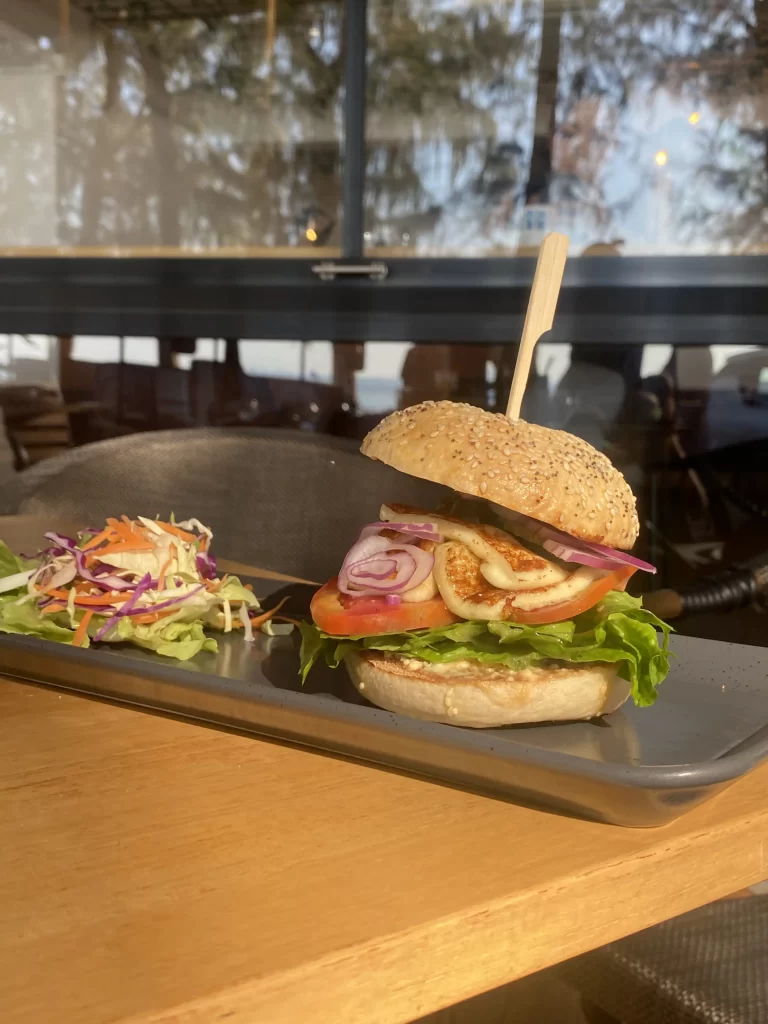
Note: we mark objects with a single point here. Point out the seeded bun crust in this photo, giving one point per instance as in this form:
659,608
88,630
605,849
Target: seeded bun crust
547,474
486,696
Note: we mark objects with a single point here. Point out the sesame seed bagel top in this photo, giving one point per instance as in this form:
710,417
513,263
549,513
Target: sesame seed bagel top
547,474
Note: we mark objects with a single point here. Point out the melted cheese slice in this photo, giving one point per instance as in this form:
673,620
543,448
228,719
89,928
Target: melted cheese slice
504,562
464,587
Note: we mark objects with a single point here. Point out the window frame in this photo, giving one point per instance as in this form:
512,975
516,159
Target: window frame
605,300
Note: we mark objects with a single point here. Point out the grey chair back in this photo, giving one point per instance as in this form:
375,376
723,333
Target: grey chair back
282,500
706,967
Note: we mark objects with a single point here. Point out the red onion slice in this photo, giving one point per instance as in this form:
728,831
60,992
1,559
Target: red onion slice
374,568
571,549
61,541
424,531
110,582
572,554
623,557
206,565
55,574
363,571
359,581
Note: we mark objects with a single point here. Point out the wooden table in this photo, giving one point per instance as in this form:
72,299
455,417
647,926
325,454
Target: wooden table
153,870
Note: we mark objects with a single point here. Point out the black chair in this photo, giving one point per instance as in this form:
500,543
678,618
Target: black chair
706,967
282,500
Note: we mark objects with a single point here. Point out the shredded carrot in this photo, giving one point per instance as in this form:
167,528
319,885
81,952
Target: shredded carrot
287,618
106,534
128,522
77,639
163,571
120,526
259,619
99,599
125,547
152,617
127,534
170,528
248,586
52,608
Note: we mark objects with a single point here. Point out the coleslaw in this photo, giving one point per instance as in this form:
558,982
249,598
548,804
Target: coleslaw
141,581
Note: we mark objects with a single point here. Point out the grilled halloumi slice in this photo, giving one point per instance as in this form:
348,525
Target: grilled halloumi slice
464,586
504,562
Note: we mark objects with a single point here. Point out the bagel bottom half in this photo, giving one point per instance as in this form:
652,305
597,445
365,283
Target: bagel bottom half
482,696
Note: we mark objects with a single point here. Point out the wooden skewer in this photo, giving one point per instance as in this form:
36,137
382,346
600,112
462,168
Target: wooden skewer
540,313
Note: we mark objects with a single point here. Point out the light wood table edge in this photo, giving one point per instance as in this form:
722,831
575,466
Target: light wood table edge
451,959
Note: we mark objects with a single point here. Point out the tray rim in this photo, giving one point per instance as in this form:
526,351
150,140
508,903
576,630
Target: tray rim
720,770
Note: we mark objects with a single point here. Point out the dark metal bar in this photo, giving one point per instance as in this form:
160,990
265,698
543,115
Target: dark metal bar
354,128
673,300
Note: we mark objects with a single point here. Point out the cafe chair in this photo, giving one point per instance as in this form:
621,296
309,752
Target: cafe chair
706,967
36,423
283,500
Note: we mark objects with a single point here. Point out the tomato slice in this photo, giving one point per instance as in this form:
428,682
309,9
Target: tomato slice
587,599
369,616
340,615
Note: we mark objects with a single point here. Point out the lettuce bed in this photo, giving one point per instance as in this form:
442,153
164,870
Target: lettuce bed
179,636
617,630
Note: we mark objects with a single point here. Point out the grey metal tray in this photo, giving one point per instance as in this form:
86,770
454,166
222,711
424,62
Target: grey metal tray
638,767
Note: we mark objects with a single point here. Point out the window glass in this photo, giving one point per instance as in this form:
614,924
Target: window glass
635,128
161,127
688,426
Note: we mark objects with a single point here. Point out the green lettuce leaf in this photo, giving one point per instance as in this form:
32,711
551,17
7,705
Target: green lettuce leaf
618,630
233,590
10,564
181,640
25,618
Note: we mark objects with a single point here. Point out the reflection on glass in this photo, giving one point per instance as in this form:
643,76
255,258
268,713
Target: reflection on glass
635,129
451,106
687,425
170,125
